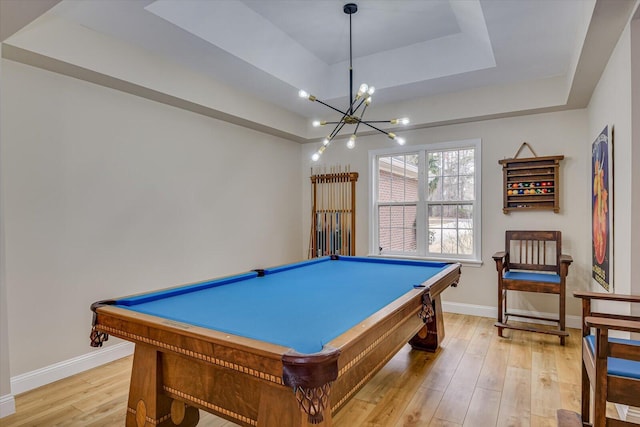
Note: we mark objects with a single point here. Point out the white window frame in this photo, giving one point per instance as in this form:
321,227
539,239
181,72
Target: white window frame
421,252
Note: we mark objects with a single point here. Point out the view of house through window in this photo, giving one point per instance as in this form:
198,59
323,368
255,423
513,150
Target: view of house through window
398,202
425,201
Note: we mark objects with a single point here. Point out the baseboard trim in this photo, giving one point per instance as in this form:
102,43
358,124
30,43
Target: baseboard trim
488,311
7,405
57,371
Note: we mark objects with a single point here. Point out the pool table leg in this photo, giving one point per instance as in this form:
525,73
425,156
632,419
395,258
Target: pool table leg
148,406
431,335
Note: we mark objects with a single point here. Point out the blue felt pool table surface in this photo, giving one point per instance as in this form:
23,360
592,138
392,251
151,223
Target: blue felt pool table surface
302,306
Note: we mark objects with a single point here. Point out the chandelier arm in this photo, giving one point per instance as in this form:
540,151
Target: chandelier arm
333,108
361,117
373,127
362,101
336,130
350,110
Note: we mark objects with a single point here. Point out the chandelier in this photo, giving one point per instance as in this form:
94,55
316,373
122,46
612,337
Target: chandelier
359,102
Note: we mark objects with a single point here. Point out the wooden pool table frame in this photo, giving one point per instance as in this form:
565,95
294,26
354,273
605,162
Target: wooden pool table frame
178,368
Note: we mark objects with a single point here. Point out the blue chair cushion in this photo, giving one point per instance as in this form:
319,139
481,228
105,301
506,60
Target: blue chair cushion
534,277
619,367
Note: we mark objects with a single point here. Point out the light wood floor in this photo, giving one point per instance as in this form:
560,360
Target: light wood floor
477,379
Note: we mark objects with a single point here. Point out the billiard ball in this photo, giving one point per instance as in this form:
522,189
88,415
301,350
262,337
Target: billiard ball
520,191
544,184
509,192
537,184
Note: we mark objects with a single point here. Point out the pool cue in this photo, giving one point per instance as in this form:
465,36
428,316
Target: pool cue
324,207
331,210
312,242
338,215
339,212
353,213
343,216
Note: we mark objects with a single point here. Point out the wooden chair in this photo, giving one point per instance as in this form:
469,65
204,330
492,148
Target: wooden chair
611,366
532,262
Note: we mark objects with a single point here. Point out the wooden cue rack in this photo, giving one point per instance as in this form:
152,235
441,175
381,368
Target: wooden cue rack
333,213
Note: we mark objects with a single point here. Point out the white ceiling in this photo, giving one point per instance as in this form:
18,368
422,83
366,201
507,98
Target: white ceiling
404,48
408,49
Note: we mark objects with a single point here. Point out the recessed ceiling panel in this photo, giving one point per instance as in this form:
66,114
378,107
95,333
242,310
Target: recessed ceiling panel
322,27
306,43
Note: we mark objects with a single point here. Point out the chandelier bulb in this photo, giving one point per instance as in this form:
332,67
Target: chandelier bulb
352,142
304,94
315,157
368,100
402,121
371,90
326,141
400,141
363,89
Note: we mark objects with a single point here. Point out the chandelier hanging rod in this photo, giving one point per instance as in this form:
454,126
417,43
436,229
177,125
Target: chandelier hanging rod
350,9
349,116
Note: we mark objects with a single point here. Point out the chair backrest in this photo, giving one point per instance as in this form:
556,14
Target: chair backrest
533,250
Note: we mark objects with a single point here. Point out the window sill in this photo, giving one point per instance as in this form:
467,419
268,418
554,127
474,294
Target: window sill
465,262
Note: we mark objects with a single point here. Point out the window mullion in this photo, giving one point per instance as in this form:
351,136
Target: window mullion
421,215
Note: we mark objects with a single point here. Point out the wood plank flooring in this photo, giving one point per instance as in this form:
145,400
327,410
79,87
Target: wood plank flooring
476,380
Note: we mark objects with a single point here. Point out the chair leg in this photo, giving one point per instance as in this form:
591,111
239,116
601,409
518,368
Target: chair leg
586,395
501,300
561,311
600,390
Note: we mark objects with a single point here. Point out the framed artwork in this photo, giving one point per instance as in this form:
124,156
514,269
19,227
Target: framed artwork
602,208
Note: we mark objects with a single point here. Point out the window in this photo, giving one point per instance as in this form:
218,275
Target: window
426,201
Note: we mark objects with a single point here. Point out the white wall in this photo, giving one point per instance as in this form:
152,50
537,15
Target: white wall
611,105
7,404
635,144
107,194
549,134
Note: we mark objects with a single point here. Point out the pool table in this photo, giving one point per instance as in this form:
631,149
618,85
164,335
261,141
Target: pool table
286,346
